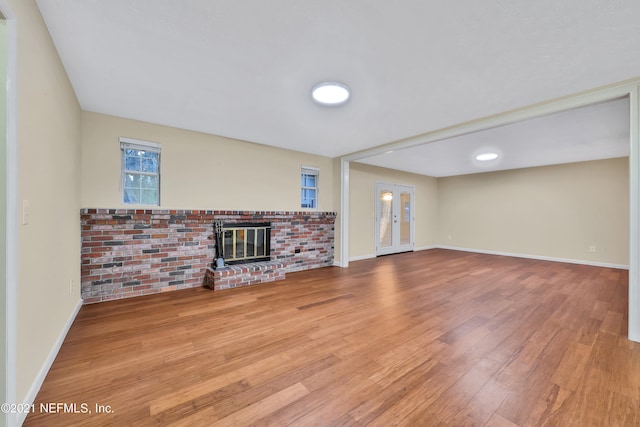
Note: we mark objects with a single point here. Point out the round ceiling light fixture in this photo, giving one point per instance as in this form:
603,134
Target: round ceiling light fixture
330,94
485,157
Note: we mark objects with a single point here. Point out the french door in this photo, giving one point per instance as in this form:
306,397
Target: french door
394,218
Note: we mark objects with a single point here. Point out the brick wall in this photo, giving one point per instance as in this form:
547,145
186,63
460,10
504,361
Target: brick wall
128,252
300,240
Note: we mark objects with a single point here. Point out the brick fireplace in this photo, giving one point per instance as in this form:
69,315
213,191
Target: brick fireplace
126,252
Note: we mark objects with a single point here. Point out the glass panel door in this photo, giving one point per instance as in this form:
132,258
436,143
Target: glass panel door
394,218
385,223
405,218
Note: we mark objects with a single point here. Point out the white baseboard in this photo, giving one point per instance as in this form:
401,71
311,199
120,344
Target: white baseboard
538,257
425,248
362,257
511,254
370,256
44,370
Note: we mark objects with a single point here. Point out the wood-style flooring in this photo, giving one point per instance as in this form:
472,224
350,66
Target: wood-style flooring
427,338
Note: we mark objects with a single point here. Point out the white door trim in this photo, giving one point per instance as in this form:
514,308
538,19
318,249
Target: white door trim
11,275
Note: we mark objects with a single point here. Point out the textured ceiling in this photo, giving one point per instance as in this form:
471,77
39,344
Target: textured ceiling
244,69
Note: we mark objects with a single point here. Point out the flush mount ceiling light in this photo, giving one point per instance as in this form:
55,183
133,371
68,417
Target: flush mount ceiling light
485,157
330,94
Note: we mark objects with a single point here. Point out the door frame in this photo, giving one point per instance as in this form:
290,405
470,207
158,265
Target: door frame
396,247
11,244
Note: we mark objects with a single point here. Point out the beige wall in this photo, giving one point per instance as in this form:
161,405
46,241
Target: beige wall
49,178
362,207
198,171
553,211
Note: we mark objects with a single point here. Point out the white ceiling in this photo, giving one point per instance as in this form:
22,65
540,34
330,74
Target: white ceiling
244,69
591,133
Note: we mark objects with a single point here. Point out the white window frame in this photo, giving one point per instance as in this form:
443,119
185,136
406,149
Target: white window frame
308,170
136,144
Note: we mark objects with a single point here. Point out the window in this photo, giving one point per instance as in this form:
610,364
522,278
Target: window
140,172
310,187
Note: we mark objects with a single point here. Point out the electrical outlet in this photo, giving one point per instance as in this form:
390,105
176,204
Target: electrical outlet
70,286
450,237
592,248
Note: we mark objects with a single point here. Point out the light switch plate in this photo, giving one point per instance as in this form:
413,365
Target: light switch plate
26,212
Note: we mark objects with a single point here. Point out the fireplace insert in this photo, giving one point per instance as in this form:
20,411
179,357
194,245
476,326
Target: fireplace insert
246,242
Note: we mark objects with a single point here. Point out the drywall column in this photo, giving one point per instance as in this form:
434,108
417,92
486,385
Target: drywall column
344,213
3,209
634,215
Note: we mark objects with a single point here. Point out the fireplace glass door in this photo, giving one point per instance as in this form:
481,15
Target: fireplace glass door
244,243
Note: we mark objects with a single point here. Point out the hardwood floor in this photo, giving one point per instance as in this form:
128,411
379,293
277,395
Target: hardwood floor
427,338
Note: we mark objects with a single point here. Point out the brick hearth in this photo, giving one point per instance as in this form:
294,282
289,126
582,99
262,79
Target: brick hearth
235,276
126,252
